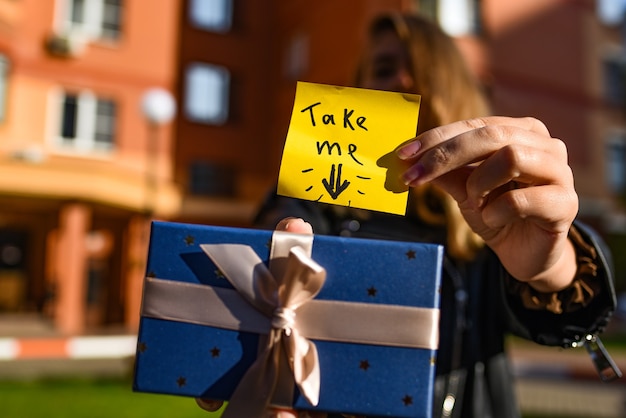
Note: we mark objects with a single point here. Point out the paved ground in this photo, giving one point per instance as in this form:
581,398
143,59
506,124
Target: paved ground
549,398
551,382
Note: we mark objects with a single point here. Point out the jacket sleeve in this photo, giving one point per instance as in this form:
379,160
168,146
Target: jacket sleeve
572,314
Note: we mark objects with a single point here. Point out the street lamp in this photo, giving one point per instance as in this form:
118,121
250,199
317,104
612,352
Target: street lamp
159,108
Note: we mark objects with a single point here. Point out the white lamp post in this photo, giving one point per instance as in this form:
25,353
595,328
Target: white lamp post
159,108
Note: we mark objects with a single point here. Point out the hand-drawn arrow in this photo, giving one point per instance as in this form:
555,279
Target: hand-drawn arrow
335,188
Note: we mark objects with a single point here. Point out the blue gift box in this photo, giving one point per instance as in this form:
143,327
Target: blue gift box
196,359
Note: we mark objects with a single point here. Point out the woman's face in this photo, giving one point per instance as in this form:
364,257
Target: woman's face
388,65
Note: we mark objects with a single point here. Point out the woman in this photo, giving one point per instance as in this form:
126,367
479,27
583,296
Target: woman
499,194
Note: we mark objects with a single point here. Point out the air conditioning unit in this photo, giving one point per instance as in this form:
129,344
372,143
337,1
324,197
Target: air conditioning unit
65,44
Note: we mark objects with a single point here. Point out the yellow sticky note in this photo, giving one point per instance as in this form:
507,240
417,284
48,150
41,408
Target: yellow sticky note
340,146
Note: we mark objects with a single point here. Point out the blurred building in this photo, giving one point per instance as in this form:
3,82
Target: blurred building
239,63
83,169
560,61
78,173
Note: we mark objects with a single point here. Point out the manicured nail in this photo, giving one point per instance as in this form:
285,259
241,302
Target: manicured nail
413,173
409,150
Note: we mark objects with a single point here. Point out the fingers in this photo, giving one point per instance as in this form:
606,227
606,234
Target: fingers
513,166
210,405
515,183
518,165
551,206
286,413
450,147
295,225
282,413
442,133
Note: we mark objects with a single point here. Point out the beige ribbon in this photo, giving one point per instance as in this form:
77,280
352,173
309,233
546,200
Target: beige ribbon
280,303
299,279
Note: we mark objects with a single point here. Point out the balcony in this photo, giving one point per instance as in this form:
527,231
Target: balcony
86,179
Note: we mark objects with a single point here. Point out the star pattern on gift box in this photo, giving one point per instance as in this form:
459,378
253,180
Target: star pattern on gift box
181,381
190,240
407,400
364,365
215,352
410,254
142,347
371,291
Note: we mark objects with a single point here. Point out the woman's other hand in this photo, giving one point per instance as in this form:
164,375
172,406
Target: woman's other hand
514,187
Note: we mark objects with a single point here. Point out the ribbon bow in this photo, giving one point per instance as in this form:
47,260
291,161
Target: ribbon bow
277,292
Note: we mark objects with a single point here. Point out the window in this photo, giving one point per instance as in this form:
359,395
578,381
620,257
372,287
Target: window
611,12
93,18
616,162
4,73
105,123
208,179
614,72
206,93
211,15
456,17
297,57
87,122
69,118
111,19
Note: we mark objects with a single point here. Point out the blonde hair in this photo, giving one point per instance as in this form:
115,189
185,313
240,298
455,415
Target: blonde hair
449,93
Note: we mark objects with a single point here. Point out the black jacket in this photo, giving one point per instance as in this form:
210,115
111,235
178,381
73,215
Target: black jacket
477,310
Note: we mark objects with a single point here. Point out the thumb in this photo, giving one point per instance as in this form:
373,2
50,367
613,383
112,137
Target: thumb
295,225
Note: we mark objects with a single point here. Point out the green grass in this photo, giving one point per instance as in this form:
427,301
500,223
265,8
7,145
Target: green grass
616,341
551,416
91,399
98,398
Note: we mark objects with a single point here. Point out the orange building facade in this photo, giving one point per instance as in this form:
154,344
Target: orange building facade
74,154
82,170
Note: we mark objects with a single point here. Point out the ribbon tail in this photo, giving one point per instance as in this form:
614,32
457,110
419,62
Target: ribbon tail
306,368
254,392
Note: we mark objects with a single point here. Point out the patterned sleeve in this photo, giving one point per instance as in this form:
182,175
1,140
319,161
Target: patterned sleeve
578,295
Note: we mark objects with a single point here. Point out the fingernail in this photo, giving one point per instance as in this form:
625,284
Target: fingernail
275,413
413,173
209,404
409,150
290,221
